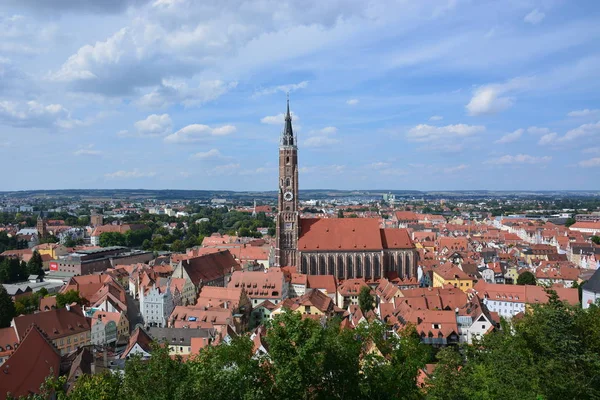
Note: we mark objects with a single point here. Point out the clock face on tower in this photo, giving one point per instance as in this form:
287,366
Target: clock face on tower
288,196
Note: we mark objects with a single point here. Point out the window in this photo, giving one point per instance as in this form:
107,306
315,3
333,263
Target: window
483,326
307,309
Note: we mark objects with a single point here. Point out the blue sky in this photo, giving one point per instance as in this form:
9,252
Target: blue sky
405,94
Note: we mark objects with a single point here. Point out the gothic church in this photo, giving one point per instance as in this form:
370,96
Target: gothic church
343,247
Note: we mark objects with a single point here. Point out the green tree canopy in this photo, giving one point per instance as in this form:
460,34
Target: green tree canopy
526,278
35,265
7,308
69,297
366,301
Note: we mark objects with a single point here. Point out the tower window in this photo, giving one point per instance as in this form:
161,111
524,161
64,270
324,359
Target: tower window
287,208
287,160
287,182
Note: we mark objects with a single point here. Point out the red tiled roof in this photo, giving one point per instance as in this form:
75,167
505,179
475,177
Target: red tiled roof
396,239
326,282
55,323
209,267
406,216
33,361
349,234
140,337
8,341
339,234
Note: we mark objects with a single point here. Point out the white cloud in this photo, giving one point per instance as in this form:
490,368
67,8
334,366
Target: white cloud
320,141
581,131
592,162
292,87
32,114
277,119
456,168
173,91
534,17
547,139
135,173
378,165
510,137
322,137
436,118
352,102
538,131
430,133
207,155
519,159
492,99
87,151
154,125
198,132
584,113
225,169
591,150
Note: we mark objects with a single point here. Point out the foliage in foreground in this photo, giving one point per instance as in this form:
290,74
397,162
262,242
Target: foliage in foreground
552,353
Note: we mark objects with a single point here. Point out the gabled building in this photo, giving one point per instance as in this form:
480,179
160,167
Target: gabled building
66,328
212,269
261,286
29,366
139,344
591,290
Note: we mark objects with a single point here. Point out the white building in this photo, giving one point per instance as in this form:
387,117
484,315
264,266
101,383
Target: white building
156,304
591,290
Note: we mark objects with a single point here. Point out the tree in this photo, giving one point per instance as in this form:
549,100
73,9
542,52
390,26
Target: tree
69,297
112,239
366,301
35,265
340,214
526,278
596,239
178,246
7,308
570,221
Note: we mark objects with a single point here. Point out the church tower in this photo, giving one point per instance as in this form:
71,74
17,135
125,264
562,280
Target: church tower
41,227
287,203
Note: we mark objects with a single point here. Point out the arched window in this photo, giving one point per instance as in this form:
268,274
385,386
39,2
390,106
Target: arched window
322,265
287,182
331,269
368,267
349,265
304,266
340,266
376,266
400,263
313,265
359,272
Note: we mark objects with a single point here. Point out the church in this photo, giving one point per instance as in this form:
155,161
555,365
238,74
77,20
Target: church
344,247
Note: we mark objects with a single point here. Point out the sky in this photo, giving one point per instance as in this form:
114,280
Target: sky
385,94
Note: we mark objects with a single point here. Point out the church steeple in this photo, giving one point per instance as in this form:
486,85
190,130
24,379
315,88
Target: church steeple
287,205
287,137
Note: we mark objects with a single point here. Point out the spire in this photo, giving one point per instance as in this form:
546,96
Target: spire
288,134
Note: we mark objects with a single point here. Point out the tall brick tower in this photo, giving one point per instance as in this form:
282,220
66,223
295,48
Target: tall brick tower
287,204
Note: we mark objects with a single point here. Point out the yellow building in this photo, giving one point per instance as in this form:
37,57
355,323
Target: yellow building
54,250
450,274
511,273
67,328
313,303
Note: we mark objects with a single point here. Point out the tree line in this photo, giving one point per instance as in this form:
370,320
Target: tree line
551,353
